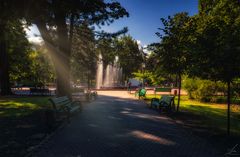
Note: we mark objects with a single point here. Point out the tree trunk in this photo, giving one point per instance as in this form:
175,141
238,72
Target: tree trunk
176,81
63,43
60,55
179,90
4,64
71,32
228,106
88,79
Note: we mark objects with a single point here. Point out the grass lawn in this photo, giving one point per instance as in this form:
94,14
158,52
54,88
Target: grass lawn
209,115
21,106
22,124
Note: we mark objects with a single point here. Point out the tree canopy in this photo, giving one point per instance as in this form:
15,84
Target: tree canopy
173,50
217,52
55,20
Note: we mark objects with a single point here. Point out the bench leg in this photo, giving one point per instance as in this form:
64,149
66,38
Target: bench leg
68,116
160,109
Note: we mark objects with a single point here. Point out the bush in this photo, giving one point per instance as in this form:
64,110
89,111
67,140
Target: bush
203,90
219,99
223,100
206,89
190,85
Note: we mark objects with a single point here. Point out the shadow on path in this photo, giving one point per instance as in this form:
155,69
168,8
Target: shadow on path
114,127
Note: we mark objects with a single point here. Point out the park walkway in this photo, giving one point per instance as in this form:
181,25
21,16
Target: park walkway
116,125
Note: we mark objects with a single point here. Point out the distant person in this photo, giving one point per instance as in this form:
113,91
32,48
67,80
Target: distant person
129,86
146,84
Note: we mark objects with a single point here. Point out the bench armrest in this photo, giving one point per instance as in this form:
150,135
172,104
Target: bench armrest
77,103
66,107
164,104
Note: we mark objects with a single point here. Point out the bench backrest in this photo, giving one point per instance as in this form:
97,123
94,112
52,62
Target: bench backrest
37,90
162,89
167,99
78,90
60,102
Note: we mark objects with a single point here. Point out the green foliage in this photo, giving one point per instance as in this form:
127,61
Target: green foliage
18,50
216,54
83,57
41,69
191,86
149,77
130,56
173,48
152,61
206,90
146,76
159,76
126,48
106,47
12,40
203,90
236,87
55,21
32,67
28,63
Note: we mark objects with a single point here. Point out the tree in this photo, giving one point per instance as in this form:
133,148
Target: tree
149,77
105,47
153,65
55,26
216,54
40,70
9,26
18,50
173,50
15,56
84,57
130,56
55,20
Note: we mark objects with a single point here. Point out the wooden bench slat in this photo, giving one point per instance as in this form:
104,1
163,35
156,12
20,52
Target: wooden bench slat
65,105
59,99
162,89
164,102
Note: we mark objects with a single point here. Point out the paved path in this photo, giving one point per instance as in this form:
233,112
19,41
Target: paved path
116,125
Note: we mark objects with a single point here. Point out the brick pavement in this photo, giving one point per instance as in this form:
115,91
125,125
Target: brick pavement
115,125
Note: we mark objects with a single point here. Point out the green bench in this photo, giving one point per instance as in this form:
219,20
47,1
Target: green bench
165,102
94,94
141,93
91,95
64,107
165,90
84,94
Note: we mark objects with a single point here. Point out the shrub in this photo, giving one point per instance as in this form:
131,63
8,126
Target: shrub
206,89
203,90
219,99
190,85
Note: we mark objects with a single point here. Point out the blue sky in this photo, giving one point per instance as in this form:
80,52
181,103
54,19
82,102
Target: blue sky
145,15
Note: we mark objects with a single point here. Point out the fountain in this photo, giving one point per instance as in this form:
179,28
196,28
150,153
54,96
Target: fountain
109,77
99,77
